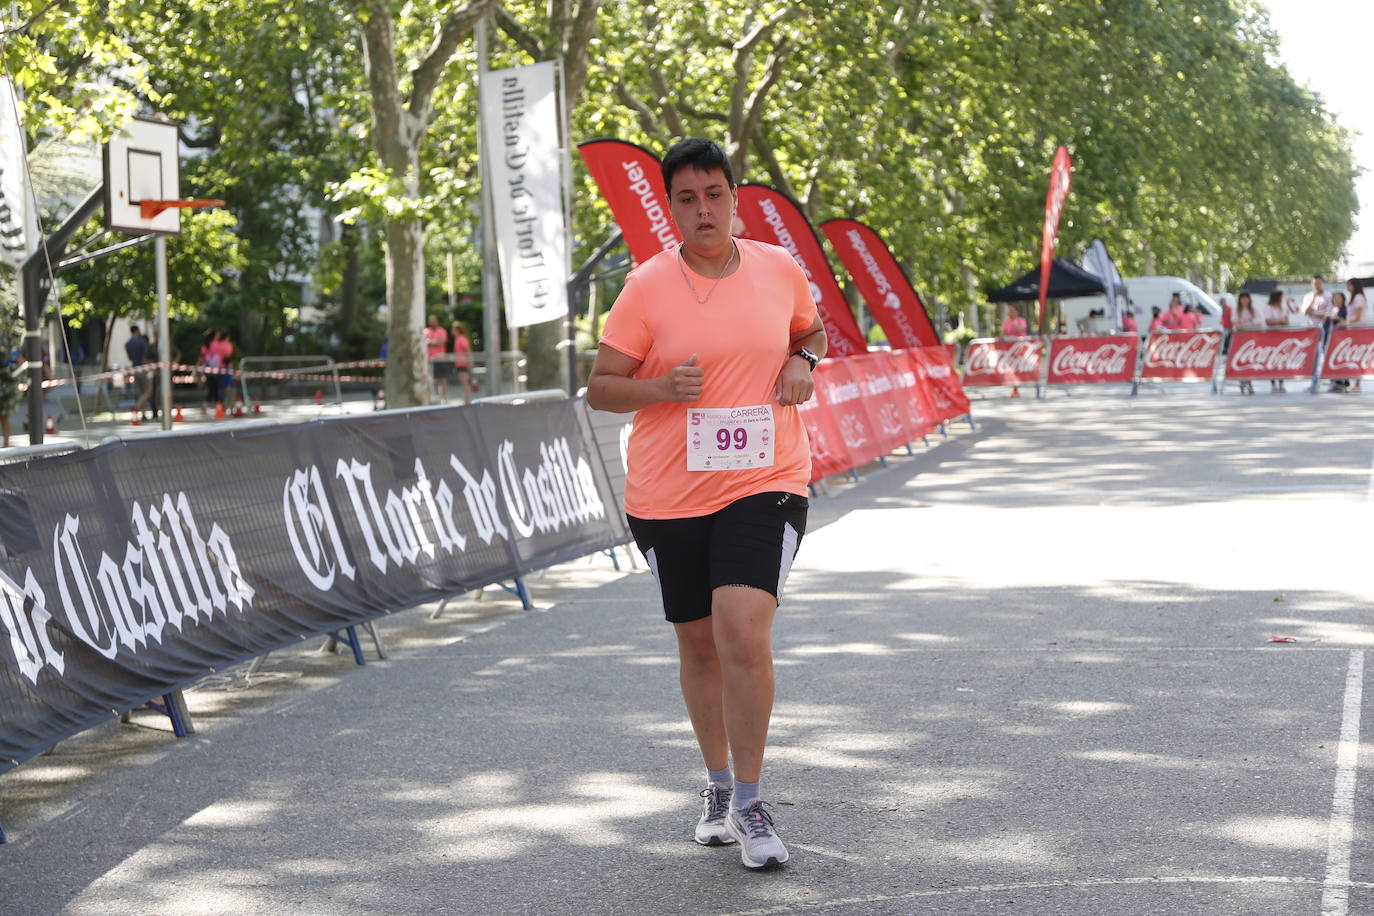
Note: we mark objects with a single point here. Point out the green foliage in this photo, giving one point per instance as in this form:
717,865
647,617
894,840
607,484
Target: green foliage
935,122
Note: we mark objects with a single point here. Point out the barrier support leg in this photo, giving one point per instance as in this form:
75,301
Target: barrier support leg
854,472
347,635
944,430
524,594
908,449
2,836
1135,387
615,560
173,706
971,423
882,460
376,638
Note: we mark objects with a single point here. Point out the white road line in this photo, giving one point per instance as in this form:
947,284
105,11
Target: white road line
1159,880
1341,832
1369,495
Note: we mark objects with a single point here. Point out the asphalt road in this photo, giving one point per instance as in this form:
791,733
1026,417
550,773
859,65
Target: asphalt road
1027,670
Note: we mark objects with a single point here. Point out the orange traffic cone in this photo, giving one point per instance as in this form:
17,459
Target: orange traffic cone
52,425
219,410
178,418
134,421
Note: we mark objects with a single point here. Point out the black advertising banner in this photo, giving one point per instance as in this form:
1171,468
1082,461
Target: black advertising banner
137,567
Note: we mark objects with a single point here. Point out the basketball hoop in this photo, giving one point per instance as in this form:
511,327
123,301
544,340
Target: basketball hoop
149,209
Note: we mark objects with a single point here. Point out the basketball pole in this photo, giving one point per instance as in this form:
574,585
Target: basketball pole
164,342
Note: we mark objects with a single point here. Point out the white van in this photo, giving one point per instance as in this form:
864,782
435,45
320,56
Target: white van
1144,293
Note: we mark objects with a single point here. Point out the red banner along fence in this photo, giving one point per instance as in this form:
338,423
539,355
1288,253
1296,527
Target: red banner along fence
1279,353
1349,354
1011,361
1093,360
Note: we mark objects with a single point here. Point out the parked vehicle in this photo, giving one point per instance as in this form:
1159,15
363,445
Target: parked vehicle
1144,293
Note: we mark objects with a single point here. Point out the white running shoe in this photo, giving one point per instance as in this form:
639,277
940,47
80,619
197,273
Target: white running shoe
715,805
752,828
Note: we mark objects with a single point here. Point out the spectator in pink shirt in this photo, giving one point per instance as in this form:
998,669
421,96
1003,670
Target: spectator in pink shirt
1014,325
1173,318
440,363
1156,320
1191,319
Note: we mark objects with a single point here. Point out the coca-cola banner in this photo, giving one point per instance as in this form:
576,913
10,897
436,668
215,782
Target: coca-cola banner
891,299
1093,360
1349,354
1279,353
1181,356
631,179
1006,361
943,396
770,216
136,567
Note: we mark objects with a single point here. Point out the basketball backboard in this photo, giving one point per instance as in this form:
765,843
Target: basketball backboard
143,162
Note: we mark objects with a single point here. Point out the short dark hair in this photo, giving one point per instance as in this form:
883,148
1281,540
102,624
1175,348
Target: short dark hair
698,153
1319,277
133,329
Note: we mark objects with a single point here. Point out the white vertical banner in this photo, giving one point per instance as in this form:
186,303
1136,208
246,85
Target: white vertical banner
520,113
18,223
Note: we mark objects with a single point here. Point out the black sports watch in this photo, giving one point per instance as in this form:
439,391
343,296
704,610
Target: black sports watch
811,358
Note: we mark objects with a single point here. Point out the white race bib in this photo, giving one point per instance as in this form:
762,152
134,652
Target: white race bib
729,438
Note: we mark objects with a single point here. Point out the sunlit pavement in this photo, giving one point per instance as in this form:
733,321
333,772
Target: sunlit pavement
1027,670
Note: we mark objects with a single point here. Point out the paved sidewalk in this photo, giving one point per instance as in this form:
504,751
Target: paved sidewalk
1026,671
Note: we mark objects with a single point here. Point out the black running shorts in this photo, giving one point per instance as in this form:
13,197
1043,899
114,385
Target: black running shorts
750,542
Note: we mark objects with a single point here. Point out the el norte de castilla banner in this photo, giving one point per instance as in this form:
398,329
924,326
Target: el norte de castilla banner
138,567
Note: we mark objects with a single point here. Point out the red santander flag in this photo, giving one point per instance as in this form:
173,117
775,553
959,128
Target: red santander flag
885,287
631,179
1061,176
769,215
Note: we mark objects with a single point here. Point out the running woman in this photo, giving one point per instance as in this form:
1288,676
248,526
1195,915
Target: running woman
712,345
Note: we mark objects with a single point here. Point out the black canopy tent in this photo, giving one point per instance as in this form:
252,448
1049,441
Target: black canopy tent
1067,280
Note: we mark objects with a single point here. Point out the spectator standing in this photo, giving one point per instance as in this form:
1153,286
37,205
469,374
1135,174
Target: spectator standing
1191,320
440,364
11,337
1156,320
1316,305
1247,319
211,362
136,348
1358,309
1014,325
462,359
1128,323
1173,316
225,348
1337,319
1227,321
1276,316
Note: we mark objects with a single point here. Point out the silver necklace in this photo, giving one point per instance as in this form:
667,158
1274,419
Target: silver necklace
681,265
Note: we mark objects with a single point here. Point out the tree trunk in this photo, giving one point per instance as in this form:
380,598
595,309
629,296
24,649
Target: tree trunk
407,369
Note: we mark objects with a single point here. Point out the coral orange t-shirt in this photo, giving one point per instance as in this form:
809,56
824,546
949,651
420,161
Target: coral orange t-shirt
742,336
